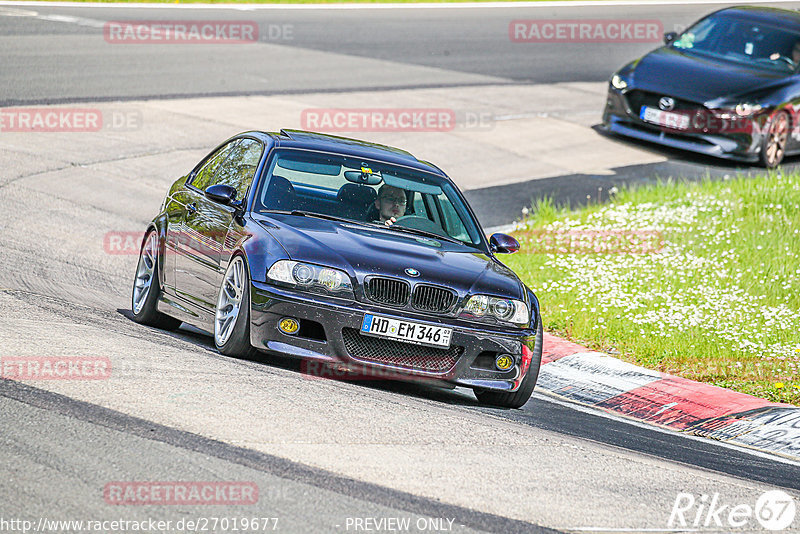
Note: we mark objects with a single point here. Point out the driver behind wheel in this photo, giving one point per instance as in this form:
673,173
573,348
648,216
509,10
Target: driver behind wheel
391,204
796,53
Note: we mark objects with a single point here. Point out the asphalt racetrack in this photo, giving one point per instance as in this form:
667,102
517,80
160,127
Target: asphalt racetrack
325,455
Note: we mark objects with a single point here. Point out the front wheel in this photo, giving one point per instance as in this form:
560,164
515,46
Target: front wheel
521,396
146,288
232,317
773,148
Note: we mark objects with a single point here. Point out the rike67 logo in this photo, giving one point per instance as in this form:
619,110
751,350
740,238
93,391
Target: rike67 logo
774,510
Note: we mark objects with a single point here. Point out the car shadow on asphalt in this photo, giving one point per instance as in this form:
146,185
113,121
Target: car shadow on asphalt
790,163
425,391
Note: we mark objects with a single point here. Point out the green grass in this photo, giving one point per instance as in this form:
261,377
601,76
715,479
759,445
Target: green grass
719,303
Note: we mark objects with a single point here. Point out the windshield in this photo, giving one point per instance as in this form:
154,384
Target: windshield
367,192
743,41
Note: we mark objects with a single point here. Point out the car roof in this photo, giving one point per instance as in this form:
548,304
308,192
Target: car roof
780,17
350,147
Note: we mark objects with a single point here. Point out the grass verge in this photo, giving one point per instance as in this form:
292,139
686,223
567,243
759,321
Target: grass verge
701,280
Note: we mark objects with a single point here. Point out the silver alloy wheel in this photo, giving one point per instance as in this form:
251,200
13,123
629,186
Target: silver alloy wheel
145,272
229,301
776,144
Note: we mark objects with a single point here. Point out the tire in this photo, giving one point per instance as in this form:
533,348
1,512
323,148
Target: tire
232,314
521,396
147,288
773,147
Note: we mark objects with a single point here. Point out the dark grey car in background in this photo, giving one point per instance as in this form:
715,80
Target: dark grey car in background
727,87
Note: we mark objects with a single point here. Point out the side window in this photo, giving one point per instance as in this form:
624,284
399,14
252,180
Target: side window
702,36
205,176
240,167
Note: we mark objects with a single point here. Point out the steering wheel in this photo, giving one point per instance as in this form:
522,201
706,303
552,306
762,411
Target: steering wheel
421,223
789,62
785,59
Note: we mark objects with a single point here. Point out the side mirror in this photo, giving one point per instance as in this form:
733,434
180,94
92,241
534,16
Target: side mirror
669,37
503,244
222,193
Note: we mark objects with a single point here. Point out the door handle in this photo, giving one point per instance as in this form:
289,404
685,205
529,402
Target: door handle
191,209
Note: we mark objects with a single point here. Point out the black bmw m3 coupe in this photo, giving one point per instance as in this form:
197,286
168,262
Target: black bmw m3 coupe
728,86
345,253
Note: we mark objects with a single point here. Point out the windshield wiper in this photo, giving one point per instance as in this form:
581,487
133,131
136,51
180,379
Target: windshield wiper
396,227
424,233
302,213
324,216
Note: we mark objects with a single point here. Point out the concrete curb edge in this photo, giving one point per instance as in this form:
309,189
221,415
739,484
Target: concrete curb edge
574,373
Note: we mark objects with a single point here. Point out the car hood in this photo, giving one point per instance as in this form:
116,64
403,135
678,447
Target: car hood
696,78
364,250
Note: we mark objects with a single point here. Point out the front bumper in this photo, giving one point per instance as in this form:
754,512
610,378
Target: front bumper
330,334
621,118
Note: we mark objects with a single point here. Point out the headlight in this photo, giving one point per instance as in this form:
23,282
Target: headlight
311,277
506,310
746,109
618,83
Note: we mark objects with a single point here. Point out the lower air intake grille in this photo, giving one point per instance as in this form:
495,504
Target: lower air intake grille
387,291
398,354
432,298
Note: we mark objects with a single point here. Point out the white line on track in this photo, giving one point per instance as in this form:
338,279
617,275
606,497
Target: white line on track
80,21
455,5
577,3
595,411
603,529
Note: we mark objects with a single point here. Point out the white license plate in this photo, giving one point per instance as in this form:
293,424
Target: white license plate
664,118
419,334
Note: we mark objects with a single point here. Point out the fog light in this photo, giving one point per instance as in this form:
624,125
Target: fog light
289,326
504,362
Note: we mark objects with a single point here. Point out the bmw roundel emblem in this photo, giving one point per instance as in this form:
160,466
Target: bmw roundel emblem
412,272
